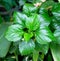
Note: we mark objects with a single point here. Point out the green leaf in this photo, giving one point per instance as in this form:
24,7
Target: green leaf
42,48
22,2
55,24
8,4
55,50
44,19
27,36
47,6
32,23
44,35
29,8
35,55
26,48
56,11
4,44
14,48
57,35
19,18
14,33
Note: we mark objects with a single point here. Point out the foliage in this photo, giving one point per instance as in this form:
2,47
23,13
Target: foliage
29,29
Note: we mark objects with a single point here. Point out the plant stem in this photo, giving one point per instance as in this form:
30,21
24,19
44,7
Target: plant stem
16,56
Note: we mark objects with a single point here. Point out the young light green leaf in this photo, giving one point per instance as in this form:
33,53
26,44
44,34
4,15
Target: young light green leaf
14,33
26,48
44,35
27,36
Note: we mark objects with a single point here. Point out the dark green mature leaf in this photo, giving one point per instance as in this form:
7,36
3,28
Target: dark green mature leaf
57,35
26,47
14,32
45,5
55,24
29,9
42,48
44,35
14,48
19,18
32,23
55,49
45,8
56,11
44,19
8,4
4,44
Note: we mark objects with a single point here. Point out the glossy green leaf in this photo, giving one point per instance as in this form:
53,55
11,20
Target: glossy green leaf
4,43
57,35
32,23
29,8
19,18
55,24
55,50
26,48
44,35
44,19
14,32
56,11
